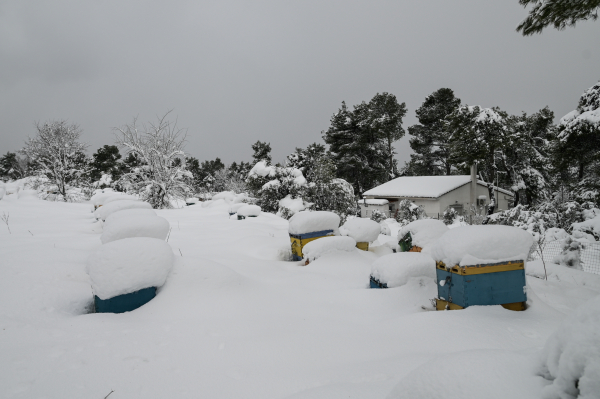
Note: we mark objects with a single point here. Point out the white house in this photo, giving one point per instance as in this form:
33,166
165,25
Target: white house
435,194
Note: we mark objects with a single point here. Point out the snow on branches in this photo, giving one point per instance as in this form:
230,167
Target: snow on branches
57,154
159,146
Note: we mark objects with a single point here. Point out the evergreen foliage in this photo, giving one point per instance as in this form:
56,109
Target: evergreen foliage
559,13
105,161
12,166
361,141
378,216
430,138
408,212
262,152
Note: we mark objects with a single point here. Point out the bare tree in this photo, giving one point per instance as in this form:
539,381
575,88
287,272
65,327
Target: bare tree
159,147
57,154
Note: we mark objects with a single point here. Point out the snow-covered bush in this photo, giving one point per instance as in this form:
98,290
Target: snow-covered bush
571,253
280,183
571,357
378,216
57,155
162,174
289,206
408,212
450,215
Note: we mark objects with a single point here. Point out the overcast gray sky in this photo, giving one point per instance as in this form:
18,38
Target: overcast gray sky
239,71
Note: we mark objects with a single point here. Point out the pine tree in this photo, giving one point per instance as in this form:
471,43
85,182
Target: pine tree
476,136
559,13
262,152
360,141
430,141
577,145
105,161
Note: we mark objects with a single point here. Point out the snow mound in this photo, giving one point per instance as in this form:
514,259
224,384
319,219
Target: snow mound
424,232
234,208
2,192
396,269
471,245
571,356
262,169
125,213
28,195
308,222
295,205
249,210
101,196
135,226
105,211
129,265
361,229
325,245
120,197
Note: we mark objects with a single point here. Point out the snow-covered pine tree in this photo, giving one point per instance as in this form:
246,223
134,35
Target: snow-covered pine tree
558,13
577,146
524,161
430,139
162,175
477,135
56,153
262,152
360,141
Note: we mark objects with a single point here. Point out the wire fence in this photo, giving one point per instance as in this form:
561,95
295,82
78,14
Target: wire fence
589,255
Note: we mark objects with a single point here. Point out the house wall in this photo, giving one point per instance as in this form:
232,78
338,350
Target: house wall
367,210
459,196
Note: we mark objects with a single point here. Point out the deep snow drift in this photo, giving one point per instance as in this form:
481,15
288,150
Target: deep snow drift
235,321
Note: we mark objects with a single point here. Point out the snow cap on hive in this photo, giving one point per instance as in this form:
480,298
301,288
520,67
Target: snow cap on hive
130,212
473,245
361,229
325,245
423,232
105,211
395,270
249,210
309,222
101,196
120,197
134,226
235,207
129,265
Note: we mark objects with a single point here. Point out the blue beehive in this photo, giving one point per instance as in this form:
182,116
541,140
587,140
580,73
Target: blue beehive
300,240
374,283
486,284
124,303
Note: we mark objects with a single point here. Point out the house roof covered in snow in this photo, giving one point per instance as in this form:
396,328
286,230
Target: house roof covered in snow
423,186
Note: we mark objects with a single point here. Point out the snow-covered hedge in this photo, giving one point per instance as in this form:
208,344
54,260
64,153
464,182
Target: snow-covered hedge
396,269
571,356
129,265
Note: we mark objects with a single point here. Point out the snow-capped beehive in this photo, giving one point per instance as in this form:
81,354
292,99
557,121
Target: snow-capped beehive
125,273
420,234
481,265
248,211
128,226
362,230
394,270
103,212
307,226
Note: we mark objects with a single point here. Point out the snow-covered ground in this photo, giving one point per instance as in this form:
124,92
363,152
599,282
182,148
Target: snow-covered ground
235,321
